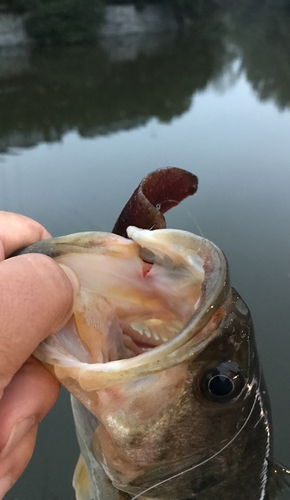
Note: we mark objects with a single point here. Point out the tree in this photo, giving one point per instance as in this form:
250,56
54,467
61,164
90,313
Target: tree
64,21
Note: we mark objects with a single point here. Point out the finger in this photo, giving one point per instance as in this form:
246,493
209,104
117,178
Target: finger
36,299
12,466
17,231
26,400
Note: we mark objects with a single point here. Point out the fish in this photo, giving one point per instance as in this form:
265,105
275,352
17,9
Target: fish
168,394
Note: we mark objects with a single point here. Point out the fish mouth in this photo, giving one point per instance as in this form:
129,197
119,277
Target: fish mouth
145,304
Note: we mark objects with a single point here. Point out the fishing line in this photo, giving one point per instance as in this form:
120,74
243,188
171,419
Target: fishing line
207,459
265,468
194,220
181,207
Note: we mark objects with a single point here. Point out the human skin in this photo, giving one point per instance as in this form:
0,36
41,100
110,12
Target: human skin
36,299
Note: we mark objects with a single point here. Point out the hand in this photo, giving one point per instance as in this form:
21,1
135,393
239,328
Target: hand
36,299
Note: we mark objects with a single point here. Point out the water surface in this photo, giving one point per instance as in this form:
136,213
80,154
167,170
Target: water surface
80,127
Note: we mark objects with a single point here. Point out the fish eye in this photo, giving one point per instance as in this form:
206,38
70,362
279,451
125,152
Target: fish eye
223,383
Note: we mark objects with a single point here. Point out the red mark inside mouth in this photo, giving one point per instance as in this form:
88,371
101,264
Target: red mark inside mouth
146,268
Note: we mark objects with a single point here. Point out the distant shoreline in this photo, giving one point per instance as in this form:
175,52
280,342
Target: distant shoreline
119,20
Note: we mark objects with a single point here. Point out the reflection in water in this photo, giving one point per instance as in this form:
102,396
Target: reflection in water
124,82
99,90
81,88
262,34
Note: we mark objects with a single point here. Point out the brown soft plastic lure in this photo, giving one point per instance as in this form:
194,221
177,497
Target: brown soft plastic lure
156,194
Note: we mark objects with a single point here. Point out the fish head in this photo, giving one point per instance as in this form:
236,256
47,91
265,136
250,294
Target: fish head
160,350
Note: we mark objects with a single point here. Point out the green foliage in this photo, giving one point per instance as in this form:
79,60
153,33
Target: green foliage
80,88
75,21
19,5
64,21
138,3
192,9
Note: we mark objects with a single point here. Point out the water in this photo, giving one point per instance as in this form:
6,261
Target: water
80,127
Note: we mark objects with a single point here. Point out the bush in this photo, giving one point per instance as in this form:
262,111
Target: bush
64,21
192,9
18,5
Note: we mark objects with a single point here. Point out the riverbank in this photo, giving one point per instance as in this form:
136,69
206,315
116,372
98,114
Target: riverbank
119,20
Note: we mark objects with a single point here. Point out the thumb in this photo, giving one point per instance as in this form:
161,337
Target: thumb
36,299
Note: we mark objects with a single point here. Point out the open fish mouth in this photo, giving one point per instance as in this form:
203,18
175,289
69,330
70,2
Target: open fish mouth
145,304
137,301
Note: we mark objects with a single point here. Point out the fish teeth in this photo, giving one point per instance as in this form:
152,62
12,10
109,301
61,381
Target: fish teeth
156,330
141,330
155,335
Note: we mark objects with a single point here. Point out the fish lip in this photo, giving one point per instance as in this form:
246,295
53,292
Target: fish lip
215,289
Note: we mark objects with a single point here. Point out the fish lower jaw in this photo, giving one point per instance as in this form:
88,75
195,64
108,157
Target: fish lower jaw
146,337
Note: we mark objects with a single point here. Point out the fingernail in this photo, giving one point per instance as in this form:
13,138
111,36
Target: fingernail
5,484
71,276
18,431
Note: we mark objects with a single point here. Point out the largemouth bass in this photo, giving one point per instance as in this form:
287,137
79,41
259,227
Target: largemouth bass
168,395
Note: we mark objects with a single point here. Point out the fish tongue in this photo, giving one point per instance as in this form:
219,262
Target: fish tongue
99,329
131,346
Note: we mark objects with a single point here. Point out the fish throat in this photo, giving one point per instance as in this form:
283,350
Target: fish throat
133,298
